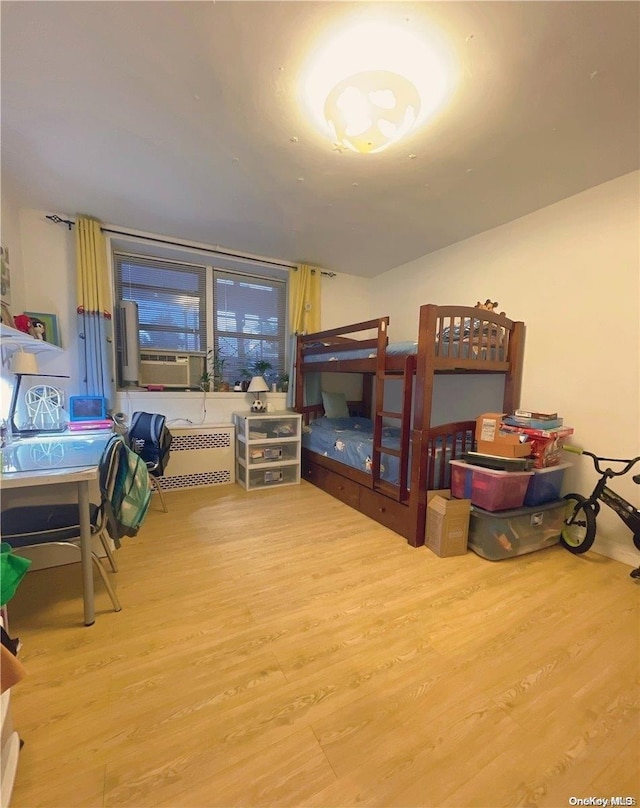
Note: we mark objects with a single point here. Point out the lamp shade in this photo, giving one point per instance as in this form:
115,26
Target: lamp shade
258,385
25,363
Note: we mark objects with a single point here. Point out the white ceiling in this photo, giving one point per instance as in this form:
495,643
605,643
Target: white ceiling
181,118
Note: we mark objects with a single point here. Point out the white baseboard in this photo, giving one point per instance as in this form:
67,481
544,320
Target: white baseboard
625,552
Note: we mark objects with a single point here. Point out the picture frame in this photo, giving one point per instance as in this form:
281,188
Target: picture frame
48,327
5,276
7,317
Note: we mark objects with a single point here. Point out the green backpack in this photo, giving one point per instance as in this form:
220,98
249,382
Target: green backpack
131,495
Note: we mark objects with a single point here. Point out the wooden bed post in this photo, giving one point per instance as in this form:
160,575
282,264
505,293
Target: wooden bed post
298,400
424,367
422,420
513,379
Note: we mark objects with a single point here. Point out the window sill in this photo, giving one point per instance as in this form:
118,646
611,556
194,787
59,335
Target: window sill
142,391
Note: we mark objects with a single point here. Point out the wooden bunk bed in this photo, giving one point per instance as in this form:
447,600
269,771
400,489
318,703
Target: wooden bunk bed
451,340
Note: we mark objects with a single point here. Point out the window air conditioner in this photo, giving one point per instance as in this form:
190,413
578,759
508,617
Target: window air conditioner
171,369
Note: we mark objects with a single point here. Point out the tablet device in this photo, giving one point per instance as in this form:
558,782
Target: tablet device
87,408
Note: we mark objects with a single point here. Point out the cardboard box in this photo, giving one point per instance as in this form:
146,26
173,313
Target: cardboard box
442,492
545,444
504,448
488,425
492,439
447,526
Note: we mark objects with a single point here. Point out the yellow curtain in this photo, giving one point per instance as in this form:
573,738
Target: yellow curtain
95,326
304,300
304,318
91,265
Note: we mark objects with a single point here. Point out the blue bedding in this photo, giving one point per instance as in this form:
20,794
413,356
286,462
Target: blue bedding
350,441
448,344
393,349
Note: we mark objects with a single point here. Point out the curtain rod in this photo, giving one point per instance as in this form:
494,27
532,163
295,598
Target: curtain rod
213,250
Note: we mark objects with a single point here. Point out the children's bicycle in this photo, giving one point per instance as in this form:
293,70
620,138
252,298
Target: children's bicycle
579,528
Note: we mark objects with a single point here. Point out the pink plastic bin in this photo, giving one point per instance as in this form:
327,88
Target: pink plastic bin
490,489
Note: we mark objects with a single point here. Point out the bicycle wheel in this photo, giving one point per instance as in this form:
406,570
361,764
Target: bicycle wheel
579,527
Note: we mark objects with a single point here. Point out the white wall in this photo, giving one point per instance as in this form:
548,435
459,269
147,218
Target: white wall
11,238
48,255
43,281
348,299
571,272
184,409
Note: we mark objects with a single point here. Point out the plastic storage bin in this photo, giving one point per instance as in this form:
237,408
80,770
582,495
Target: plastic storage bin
461,474
491,490
496,536
265,478
545,485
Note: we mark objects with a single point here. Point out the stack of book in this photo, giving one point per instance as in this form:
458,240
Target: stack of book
531,419
545,433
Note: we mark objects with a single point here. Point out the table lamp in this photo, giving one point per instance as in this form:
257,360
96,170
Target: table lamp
24,363
258,385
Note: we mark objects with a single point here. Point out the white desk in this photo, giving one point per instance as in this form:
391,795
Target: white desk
64,459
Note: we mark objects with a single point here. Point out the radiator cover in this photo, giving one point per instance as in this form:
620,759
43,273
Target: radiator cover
200,456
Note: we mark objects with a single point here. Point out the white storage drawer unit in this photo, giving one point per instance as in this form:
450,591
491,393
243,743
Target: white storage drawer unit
267,449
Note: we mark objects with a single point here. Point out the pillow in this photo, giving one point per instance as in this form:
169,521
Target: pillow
335,405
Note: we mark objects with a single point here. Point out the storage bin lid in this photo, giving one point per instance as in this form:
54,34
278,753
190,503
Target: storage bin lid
550,469
492,472
512,514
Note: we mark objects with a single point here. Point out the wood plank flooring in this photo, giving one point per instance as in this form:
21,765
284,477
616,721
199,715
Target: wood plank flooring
277,648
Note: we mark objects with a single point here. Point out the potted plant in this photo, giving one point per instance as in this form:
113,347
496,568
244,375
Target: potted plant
205,381
284,383
261,366
216,362
258,368
246,378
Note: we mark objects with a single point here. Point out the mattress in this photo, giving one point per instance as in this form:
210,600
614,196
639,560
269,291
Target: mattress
393,349
444,347
350,441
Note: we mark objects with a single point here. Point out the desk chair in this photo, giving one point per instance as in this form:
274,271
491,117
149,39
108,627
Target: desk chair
150,438
27,527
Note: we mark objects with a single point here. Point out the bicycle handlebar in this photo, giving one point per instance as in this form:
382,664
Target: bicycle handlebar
629,464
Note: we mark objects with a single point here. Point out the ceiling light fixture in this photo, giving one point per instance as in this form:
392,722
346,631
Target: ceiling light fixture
371,110
370,84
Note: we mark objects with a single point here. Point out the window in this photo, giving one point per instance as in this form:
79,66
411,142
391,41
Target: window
246,325
250,315
170,298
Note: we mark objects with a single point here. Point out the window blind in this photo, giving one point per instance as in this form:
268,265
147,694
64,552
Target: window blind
171,300
249,324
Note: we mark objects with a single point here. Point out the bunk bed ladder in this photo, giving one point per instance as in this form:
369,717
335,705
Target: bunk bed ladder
398,492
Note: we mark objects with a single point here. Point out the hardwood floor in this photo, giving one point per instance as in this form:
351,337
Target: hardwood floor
278,648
